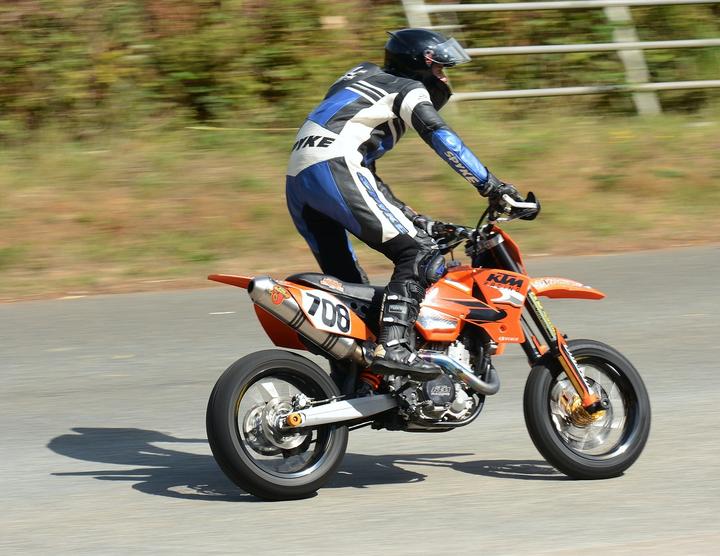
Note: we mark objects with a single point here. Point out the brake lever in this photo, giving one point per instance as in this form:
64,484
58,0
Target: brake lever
518,204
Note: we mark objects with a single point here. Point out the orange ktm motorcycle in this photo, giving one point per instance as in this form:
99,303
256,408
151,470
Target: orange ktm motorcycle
278,424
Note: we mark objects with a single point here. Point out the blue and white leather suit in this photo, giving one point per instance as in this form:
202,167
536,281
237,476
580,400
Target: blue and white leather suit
331,183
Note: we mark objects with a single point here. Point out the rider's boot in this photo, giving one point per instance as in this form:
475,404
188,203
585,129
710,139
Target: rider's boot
393,354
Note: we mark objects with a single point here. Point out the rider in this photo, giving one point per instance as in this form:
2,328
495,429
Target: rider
332,186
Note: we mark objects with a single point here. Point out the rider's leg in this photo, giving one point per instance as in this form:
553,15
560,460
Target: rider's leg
417,266
331,247
350,195
322,216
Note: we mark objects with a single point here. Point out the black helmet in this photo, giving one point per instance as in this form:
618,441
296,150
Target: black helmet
411,53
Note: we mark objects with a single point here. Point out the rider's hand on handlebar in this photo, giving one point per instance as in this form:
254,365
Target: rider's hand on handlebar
433,228
424,223
495,189
501,195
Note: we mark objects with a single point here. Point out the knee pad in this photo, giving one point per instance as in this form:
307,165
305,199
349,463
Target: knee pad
429,267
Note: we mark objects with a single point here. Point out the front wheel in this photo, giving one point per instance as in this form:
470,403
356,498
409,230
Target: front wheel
585,446
245,407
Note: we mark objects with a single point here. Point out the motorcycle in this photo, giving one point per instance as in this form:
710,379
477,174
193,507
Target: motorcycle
278,424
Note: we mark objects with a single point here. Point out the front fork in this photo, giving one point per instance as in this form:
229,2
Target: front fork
556,348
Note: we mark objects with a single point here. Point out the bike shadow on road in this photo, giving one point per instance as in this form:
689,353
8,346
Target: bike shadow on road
164,471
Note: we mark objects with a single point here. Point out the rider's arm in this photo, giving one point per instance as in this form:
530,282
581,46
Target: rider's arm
414,107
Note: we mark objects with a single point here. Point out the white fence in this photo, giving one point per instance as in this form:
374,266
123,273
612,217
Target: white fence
625,38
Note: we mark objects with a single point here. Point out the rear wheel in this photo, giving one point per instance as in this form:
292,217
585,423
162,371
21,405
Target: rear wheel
580,445
247,403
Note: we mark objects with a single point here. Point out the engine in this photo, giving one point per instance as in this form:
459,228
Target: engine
454,398
441,399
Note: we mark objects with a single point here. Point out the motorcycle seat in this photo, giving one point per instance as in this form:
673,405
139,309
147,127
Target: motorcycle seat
362,292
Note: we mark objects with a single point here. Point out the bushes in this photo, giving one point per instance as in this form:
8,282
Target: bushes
95,64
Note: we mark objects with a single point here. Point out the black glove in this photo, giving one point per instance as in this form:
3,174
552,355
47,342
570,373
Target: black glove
494,189
424,223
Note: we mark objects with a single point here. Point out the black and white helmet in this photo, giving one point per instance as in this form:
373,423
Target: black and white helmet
411,53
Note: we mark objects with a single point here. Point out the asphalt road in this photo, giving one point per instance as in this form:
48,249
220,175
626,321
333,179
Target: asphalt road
104,447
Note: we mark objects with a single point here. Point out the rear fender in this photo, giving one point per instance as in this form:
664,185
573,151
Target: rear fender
563,288
323,310
233,280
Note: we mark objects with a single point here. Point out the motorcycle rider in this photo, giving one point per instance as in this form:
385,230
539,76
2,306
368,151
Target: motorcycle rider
332,187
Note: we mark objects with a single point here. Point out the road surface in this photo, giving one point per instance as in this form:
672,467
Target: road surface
104,448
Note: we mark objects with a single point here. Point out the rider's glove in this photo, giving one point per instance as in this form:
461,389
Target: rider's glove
424,223
495,189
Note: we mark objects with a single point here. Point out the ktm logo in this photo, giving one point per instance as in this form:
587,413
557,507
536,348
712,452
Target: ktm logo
313,141
504,279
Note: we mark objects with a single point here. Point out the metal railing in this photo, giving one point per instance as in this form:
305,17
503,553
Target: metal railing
625,38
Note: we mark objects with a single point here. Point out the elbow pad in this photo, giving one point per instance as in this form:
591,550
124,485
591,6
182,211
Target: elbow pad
451,148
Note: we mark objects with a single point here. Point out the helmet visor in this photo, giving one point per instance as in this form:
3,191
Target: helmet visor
448,53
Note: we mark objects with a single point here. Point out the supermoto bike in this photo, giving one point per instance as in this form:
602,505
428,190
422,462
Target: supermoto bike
278,424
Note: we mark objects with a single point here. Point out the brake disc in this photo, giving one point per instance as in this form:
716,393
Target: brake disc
273,412
255,434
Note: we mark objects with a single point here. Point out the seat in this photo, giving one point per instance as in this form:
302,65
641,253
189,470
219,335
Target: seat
330,284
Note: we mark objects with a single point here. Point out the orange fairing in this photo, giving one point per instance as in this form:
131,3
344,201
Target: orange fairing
239,281
450,303
506,292
558,288
279,332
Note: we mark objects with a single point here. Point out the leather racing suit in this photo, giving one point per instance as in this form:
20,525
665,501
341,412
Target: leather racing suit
332,186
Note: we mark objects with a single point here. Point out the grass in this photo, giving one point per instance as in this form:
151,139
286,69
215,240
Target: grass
129,211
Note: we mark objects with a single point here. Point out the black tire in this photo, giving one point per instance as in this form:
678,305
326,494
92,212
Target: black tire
612,449
240,459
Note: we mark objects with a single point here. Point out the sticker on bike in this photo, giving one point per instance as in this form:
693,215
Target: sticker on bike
509,296
326,312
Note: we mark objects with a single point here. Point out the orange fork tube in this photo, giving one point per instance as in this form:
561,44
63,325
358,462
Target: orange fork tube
559,350
570,366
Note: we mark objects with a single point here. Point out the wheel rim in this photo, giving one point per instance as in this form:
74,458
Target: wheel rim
607,435
274,451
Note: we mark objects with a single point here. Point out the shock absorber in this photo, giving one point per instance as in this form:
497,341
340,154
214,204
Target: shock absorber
371,379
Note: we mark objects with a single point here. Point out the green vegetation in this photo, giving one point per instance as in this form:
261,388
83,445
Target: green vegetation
126,211
146,140
107,64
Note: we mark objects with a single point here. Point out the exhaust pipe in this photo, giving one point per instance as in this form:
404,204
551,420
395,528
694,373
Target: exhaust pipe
461,372
267,293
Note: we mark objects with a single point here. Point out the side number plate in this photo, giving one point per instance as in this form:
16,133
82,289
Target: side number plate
326,312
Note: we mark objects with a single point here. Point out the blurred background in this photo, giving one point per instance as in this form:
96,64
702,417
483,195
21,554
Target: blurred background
143,143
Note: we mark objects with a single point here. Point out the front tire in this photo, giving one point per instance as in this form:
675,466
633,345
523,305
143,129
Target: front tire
600,449
271,463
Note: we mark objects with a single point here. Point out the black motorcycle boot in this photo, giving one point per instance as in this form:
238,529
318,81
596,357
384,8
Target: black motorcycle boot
393,354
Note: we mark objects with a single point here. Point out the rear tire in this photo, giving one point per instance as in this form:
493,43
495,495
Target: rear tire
604,448
272,464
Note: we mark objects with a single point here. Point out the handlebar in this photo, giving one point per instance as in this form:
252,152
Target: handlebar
520,204
506,208
501,209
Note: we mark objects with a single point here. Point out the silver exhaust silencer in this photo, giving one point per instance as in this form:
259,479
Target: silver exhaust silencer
461,372
265,292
